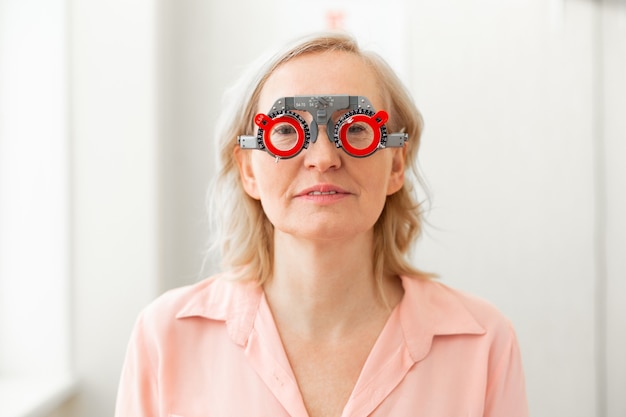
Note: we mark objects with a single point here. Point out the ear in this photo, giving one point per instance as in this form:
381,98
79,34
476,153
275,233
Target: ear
396,177
246,172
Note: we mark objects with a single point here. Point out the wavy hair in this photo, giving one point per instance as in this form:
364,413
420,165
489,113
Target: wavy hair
243,235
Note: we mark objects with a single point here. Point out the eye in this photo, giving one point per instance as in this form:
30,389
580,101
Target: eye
356,129
358,135
284,136
359,132
284,129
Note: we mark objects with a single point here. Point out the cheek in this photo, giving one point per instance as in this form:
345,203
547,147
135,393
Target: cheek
380,178
272,180
375,188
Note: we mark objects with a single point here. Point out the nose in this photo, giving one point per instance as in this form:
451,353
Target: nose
323,154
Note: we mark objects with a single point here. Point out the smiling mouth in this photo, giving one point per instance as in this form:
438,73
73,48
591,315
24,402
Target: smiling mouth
322,193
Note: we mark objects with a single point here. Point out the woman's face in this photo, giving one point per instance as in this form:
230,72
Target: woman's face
322,193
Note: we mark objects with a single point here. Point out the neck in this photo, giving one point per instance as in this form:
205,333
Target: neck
323,290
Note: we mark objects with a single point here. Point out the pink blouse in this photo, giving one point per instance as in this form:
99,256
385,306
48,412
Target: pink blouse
212,349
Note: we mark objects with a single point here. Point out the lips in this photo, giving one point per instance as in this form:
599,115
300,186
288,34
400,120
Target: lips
322,190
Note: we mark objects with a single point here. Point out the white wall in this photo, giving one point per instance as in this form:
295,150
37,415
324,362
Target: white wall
523,150
507,94
612,20
114,195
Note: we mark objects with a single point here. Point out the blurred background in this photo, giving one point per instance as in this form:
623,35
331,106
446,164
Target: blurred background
107,110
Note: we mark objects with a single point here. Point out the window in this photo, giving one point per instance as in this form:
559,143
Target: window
34,205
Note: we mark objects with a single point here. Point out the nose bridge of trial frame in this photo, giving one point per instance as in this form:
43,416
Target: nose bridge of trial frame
321,108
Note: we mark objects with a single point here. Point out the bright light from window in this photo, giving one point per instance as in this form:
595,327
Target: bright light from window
34,190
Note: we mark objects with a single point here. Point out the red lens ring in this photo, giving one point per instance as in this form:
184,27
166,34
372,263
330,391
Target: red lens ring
289,153
371,121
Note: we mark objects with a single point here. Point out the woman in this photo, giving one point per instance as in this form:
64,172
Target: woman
317,311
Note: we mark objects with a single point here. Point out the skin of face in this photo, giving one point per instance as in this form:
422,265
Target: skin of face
323,193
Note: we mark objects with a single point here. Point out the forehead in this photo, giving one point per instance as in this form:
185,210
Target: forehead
323,73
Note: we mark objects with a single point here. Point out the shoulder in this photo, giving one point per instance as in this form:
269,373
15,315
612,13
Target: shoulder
452,311
481,309
214,298
171,301
466,333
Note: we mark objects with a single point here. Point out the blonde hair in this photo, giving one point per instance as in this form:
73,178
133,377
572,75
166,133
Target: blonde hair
241,231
